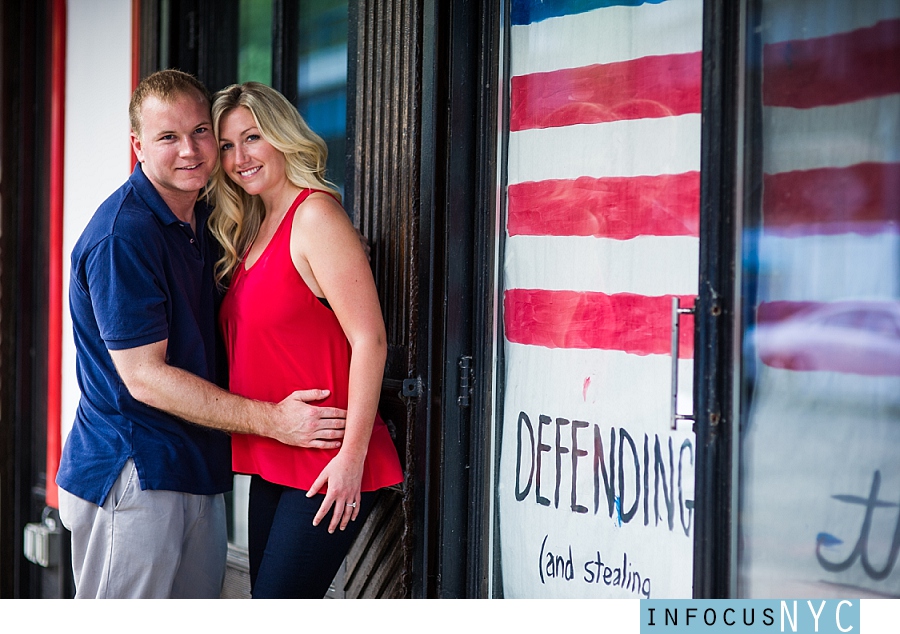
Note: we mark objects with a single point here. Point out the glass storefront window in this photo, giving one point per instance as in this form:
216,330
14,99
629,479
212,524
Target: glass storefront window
819,479
593,488
322,77
255,41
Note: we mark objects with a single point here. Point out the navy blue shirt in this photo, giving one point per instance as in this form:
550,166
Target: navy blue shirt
139,275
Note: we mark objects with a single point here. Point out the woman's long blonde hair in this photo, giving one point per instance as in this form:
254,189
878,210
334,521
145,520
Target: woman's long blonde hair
237,216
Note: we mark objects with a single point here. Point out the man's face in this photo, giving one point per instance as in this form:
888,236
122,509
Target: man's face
176,147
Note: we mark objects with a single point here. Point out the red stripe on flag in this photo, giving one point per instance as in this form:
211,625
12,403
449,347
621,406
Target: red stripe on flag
643,88
862,198
631,323
851,337
617,207
841,68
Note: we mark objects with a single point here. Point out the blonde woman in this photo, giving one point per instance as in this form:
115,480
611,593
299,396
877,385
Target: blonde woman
301,309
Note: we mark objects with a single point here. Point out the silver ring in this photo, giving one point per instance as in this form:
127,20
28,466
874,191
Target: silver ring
353,504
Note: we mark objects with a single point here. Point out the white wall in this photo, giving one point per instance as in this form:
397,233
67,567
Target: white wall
97,150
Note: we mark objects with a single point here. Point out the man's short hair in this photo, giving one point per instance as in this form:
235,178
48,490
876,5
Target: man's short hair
165,85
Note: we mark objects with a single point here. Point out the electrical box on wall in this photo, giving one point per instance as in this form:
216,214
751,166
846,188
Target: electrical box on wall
41,543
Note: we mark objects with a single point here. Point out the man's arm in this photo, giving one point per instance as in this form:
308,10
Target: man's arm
293,421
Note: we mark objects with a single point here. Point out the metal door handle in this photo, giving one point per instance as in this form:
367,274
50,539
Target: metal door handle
677,311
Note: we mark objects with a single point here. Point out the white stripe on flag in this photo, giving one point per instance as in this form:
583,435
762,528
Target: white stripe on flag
832,136
596,264
609,387
670,145
807,19
830,267
606,35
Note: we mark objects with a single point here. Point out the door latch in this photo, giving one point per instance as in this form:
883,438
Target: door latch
413,387
677,312
41,541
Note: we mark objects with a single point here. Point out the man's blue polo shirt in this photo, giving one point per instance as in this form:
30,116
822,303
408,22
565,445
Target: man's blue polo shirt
139,276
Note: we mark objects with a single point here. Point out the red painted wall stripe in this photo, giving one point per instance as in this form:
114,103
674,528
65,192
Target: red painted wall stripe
617,207
837,69
862,198
850,337
55,264
631,323
643,88
135,61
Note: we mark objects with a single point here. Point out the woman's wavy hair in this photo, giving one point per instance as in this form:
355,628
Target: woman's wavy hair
237,216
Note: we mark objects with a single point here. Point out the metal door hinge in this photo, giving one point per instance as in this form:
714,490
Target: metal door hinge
466,381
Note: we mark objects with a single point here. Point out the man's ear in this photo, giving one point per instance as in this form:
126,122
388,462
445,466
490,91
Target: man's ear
137,147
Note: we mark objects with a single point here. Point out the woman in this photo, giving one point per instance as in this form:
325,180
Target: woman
301,310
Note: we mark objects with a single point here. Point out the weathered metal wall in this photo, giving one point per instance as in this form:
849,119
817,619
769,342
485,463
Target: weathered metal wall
384,199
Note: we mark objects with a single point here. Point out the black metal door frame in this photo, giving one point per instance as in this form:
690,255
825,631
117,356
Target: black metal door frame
196,36
24,262
459,131
727,157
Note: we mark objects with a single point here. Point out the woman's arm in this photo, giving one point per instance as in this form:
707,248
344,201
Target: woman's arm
328,255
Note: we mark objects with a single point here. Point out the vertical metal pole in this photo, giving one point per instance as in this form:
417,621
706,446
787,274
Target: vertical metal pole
714,360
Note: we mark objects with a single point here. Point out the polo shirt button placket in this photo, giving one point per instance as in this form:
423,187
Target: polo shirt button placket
190,234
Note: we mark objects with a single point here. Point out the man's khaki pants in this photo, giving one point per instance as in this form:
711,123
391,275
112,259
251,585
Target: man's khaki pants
146,544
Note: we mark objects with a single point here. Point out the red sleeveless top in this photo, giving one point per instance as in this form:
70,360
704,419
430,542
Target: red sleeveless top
280,337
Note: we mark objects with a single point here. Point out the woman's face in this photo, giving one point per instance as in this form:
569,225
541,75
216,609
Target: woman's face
247,158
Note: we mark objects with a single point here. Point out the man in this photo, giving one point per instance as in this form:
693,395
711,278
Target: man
141,488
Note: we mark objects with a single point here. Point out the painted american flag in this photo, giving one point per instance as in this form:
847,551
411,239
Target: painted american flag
601,232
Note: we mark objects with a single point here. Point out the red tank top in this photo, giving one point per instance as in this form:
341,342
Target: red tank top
280,337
